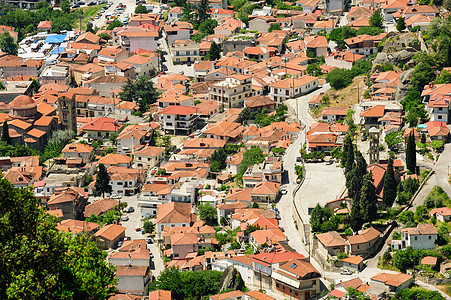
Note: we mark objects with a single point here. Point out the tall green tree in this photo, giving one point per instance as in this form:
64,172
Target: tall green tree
208,214
411,160
368,199
218,160
102,184
348,154
400,24
141,91
215,52
390,185
39,262
7,44
354,177
5,134
377,19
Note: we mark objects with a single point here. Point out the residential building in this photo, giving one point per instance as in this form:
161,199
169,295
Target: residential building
306,283
124,184
70,200
143,65
135,257
330,243
363,243
392,282
55,74
317,45
173,214
86,72
333,114
77,150
178,119
185,51
419,238
343,60
232,91
100,128
118,160
109,235
132,38
443,214
177,31
291,88
133,279
148,157
364,44
99,207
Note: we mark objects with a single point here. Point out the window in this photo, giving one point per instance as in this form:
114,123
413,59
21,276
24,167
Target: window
430,237
416,238
119,183
439,117
277,284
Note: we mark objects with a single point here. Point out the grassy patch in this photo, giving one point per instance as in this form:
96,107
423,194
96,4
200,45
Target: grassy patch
386,266
437,198
349,95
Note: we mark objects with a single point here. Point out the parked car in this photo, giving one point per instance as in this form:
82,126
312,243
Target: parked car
92,3
124,218
364,138
119,244
298,159
151,254
76,5
283,191
153,171
149,240
329,162
346,272
127,238
137,228
131,209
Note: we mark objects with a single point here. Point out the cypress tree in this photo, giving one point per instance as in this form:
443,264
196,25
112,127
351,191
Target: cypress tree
411,160
390,185
5,134
368,199
215,52
102,184
348,154
354,178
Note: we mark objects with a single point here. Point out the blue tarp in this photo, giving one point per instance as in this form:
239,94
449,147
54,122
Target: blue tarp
58,50
55,39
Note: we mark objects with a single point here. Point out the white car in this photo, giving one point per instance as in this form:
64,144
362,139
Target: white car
124,218
346,272
283,191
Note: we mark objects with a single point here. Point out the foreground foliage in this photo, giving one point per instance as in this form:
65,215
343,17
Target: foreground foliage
39,262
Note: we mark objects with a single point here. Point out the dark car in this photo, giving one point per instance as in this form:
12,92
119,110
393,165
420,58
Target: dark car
119,244
364,138
81,3
76,5
92,3
177,150
131,209
298,159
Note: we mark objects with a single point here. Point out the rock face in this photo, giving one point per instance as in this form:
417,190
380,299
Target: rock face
397,42
381,58
402,56
228,279
404,83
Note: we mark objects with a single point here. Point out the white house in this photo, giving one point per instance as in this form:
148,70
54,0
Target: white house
421,237
443,214
125,184
133,279
149,157
290,88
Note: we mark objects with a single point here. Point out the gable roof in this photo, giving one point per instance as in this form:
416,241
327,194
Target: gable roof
110,232
365,236
331,239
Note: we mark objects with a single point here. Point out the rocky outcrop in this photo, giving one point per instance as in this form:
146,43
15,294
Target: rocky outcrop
228,280
402,56
403,85
381,58
398,42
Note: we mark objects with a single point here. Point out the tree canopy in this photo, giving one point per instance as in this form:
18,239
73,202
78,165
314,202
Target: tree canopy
140,9
7,44
187,284
5,134
102,184
377,19
390,185
141,91
208,214
411,161
39,262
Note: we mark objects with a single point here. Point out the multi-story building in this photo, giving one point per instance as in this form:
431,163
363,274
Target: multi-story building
364,44
291,88
232,91
178,119
185,51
